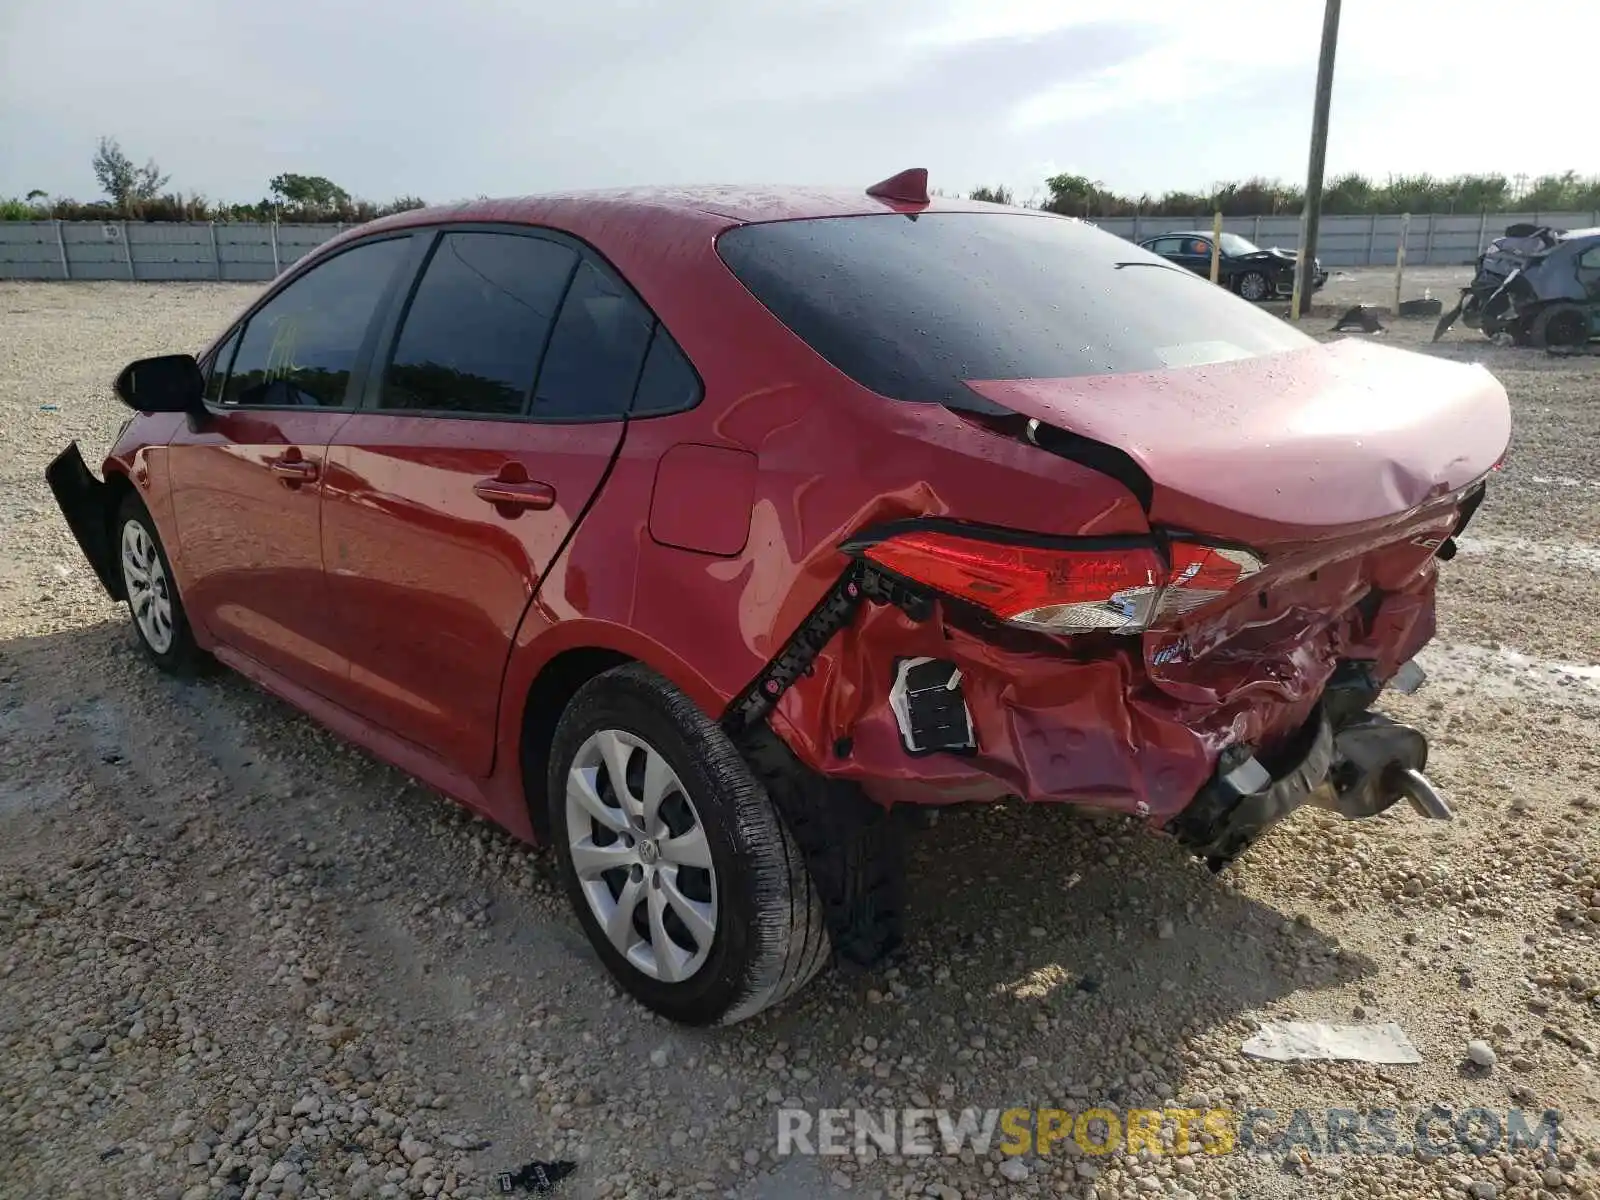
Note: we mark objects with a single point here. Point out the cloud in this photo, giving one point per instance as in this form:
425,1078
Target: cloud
498,96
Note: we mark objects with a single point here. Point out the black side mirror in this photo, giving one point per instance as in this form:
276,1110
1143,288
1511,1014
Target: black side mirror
167,383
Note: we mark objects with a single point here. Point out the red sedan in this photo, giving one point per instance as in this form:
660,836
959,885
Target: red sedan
697,533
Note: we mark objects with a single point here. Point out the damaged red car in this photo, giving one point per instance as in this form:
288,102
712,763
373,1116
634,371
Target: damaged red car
696,534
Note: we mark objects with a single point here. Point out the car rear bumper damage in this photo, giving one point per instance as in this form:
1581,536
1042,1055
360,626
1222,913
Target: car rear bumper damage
85,502
1353,762
916,709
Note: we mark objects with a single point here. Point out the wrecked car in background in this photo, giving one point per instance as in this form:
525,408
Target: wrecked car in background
1540,286
691,533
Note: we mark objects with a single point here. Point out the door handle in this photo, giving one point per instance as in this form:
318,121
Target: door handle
299,470
516,494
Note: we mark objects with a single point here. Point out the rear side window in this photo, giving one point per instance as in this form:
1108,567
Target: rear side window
668,384
913,307
299,348
596,351
477,325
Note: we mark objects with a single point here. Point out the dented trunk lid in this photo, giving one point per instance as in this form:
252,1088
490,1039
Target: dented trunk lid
1344,467
1310,443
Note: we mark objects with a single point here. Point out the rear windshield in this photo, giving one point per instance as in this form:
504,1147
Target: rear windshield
913,306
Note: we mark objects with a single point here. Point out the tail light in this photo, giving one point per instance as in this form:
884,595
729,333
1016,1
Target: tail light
1118,585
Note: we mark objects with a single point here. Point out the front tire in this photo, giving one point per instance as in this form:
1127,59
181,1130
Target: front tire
681,872
1253,286
159,622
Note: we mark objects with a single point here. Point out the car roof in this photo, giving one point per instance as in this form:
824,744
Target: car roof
1573,235
728,204
1195,233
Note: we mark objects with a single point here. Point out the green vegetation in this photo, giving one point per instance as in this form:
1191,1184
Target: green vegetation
1080,196
135,193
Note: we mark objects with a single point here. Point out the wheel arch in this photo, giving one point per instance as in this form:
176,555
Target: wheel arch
549,663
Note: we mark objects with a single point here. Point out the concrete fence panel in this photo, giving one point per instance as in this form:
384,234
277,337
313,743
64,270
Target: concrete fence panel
254,253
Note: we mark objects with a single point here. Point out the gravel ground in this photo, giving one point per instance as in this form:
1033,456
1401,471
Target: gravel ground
242,958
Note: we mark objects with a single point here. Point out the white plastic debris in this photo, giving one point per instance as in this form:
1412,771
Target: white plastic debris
1289,1041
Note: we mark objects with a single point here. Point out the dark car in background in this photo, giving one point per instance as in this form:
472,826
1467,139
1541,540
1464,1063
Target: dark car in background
1246,268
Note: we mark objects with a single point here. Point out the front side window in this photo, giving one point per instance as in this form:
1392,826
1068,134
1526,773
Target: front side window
475,330
913,309
299,349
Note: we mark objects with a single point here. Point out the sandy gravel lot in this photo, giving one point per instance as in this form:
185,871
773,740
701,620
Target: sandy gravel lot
239,958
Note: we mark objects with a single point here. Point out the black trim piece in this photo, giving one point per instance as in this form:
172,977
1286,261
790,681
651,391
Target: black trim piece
1159,538
550,336
1000,535
395,306
1097,456
85,502
860,581
1221,822
1469,509
928,713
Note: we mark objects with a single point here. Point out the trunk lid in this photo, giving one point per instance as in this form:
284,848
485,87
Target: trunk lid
1329,441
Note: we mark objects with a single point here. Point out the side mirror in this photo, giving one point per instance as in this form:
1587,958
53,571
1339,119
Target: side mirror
167,383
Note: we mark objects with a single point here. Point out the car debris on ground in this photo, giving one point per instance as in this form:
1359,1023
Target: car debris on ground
1298,1041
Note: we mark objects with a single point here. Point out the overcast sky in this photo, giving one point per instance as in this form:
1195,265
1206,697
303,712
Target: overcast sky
467,97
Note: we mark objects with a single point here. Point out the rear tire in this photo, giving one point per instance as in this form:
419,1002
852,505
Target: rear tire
1560,325
1253,286
688,884
159,622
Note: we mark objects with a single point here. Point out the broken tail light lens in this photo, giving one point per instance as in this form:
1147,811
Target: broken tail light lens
1123,586
1200,574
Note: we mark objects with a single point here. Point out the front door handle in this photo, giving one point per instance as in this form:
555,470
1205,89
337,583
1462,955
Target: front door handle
297,470
527,493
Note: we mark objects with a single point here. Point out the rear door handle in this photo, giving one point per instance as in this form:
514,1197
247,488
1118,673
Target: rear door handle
526,494
300,470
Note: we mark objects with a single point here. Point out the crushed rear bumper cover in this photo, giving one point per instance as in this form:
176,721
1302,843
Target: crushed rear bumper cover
85,502
1357,764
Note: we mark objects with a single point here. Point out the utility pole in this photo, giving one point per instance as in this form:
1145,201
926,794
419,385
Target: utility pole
1311,216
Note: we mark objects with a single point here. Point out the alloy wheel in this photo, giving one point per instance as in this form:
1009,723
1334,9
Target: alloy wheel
1253,286
640,853
149,590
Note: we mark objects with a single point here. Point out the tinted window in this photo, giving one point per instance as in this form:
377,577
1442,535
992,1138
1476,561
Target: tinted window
911,308
1167,245
668,383
217,369
477,324
596,351
300,347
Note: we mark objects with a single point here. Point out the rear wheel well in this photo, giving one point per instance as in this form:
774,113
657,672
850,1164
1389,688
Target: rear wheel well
548,696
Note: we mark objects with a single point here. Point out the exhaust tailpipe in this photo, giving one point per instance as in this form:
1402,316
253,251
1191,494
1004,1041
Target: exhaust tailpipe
1419,790
1376,763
